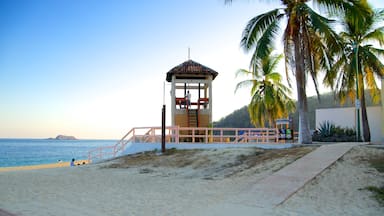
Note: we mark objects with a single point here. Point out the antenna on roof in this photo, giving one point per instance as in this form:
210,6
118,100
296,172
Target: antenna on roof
189,53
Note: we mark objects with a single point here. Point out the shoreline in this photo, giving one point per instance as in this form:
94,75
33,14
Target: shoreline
43,166
134,149
35,167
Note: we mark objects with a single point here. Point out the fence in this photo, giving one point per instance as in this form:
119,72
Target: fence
187,135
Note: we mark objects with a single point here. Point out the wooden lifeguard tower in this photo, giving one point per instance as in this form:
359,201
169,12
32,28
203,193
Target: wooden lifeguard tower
194,79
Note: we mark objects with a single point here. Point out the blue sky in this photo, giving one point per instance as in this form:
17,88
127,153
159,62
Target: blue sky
95,68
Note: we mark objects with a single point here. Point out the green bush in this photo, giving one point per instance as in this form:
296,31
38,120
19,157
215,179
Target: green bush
378,193
326,129
329,132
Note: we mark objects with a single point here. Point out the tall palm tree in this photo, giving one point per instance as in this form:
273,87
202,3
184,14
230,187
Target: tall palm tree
308,42
359,35
270,98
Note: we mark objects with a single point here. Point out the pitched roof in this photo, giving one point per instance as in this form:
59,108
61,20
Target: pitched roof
191,68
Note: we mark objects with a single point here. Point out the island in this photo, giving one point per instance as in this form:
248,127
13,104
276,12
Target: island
63,137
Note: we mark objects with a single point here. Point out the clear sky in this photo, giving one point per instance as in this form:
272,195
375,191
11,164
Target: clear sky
96,68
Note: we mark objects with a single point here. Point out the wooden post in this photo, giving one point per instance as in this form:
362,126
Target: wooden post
163,130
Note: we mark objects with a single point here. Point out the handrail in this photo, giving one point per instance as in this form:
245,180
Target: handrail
176,134
102,152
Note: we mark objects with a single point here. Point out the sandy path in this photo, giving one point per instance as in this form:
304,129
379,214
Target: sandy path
340,189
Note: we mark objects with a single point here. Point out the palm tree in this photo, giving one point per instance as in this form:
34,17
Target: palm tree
308,42
359,34
270,98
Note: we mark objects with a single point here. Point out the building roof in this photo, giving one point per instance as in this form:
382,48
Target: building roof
191,69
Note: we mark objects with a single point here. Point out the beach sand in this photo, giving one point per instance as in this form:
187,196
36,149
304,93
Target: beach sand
191,182
43,166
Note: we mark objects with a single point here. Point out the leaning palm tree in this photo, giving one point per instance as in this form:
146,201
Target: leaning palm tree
360,66
270,99
308,42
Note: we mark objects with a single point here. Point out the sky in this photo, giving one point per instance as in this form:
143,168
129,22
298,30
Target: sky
94,68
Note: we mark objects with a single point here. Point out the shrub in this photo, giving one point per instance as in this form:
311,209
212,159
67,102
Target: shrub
378,193
329,132
326,129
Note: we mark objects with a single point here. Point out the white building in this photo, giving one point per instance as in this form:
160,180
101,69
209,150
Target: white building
346,117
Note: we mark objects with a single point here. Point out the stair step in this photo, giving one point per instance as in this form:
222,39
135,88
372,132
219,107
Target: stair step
192,118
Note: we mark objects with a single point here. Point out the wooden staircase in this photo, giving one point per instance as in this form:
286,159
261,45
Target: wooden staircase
193,120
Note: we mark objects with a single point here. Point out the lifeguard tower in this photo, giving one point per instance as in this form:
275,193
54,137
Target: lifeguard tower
191,94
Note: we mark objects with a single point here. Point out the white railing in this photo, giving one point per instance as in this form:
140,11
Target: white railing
135,135
187,135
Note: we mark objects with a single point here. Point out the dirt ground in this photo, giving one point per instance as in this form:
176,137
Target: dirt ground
224,162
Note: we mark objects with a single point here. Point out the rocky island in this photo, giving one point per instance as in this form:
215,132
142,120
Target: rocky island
63,137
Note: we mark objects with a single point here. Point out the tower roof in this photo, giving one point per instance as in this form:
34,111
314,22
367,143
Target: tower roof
191,69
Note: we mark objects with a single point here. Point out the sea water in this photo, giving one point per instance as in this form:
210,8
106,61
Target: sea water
23,152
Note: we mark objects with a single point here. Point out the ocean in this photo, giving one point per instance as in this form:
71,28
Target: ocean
23,152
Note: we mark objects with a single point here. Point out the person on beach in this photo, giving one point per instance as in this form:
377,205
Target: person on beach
73,162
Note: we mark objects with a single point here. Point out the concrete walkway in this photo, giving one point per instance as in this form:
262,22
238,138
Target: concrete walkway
264,195
278,187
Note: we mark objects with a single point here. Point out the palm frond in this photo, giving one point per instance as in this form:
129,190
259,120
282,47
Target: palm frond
243,84
373,62
370,78
376,35
275,62
256,28
274,77
333,7
376,51
243,72
265,42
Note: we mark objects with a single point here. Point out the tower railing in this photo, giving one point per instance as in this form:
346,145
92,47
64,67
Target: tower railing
176,134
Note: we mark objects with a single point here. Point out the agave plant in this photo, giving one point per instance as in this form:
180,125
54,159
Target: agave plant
326,129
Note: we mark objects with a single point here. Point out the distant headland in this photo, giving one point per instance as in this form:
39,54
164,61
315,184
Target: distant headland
63,137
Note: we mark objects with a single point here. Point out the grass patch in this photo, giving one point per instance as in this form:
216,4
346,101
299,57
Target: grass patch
378,193
377,163
211,164
171,158
172,151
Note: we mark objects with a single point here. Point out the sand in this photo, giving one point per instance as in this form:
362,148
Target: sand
193,182
43,166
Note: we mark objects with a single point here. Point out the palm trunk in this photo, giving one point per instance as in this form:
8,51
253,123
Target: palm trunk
304,131
364,116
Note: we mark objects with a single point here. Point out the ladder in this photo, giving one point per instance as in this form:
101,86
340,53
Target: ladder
193,118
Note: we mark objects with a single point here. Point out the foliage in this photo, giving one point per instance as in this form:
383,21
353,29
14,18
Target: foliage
377,163
379,193
270,97
326,129
240,117
358,65
329,132
310,45
308,39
